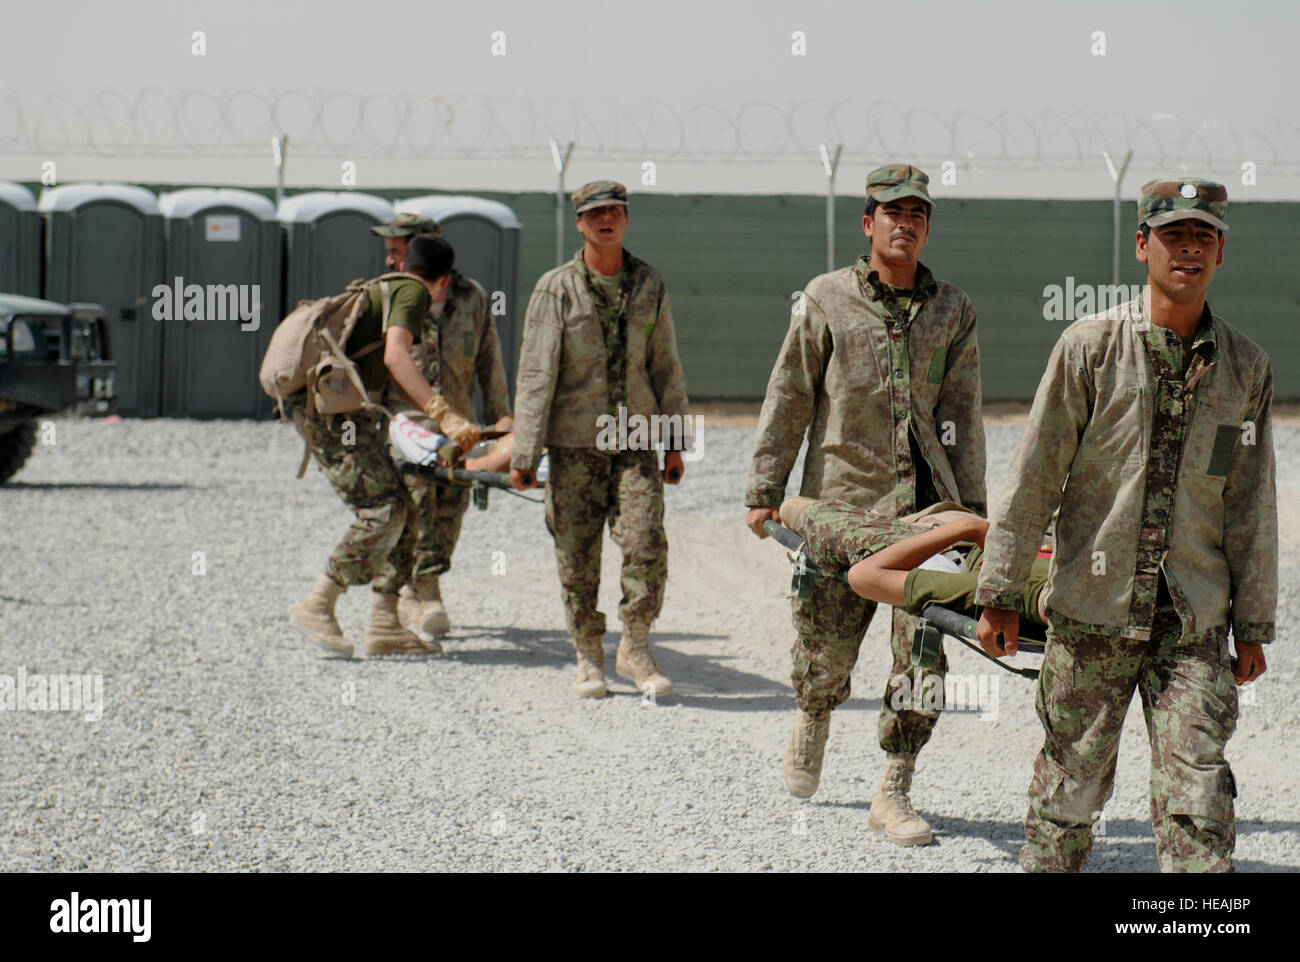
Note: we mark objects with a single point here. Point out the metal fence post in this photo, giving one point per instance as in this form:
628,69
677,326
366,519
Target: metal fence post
278,147
1117,176
561,162
829,164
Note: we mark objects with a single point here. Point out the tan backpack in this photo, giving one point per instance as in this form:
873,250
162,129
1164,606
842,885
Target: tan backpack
309,350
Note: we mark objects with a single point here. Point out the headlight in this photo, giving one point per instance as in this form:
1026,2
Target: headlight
22,340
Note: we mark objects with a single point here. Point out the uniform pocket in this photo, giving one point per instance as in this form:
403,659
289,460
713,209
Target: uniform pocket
938,365
583,348
853,360
1213,436
1116,430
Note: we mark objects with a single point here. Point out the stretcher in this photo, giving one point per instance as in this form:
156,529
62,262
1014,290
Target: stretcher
934,623
433,456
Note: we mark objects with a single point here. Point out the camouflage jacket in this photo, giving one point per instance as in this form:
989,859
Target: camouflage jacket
456,348
563,384
1160,473
858,384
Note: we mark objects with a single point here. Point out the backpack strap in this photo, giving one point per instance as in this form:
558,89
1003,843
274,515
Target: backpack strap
351,371
386,298
386,301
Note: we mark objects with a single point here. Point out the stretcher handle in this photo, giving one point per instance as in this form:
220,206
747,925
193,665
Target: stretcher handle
964,627
783,535
458,477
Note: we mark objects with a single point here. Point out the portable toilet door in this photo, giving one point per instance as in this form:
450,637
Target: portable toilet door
20,241
485,236
328,242
104,244
223,284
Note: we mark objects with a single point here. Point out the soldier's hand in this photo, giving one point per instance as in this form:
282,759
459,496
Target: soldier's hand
1250,662
757,516
505,424
995,623
673,467
521,479
464,433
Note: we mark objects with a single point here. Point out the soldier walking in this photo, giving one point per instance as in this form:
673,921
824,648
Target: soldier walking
880,368
598,337
456,346
352,450
1154,416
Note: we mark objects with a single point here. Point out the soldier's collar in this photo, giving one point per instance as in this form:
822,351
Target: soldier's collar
630,264
1204,334
878,290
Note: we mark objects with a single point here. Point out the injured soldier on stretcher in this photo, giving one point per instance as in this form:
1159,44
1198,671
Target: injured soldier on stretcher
932,557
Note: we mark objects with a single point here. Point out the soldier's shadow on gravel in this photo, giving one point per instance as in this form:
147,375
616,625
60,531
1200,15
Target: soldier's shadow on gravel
522,646
702,681
96,486
534,646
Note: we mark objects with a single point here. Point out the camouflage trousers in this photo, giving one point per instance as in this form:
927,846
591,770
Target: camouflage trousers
586,488
352,451
1189,701
830,625
829,629
438,516
439,512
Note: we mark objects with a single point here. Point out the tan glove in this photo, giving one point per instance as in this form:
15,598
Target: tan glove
452,424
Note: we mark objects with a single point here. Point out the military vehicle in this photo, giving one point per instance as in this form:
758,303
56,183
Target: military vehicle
53,357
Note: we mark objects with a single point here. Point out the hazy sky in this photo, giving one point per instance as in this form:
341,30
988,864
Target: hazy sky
1210,66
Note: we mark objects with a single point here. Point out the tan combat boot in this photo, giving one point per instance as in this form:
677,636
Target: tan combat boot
409,608
416,614
591,667
891,810
433,616
314,617
637,665
385,634
803,753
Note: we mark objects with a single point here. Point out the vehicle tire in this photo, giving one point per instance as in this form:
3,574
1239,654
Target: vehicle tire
15,446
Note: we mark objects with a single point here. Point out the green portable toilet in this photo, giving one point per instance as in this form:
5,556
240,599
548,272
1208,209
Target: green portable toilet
104,244
328,242
485,234
20,241
223,290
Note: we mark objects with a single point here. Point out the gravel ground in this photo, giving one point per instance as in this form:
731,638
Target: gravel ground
227,742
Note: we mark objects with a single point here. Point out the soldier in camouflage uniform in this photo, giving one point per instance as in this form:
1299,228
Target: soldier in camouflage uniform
352,450
881,368
599,349
1155,417
457,345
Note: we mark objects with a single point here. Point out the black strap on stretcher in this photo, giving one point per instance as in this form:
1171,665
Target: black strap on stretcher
935,622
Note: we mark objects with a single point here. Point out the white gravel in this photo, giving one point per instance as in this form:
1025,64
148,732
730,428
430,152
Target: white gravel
227,742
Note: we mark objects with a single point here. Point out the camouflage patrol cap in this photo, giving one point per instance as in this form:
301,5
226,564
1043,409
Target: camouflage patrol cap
408,225
894,181
1163,201
599,193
